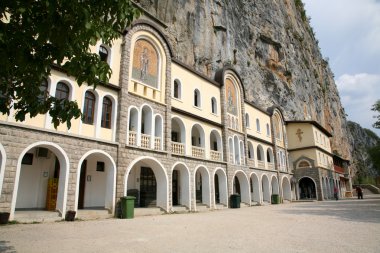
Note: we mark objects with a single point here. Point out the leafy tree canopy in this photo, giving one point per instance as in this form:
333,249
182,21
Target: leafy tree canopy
37,34
376,108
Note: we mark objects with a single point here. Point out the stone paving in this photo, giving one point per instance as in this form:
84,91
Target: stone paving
349,225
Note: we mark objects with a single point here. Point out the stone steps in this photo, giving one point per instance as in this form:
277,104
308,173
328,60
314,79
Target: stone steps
36,216
202,208
141,211
88,214
180,209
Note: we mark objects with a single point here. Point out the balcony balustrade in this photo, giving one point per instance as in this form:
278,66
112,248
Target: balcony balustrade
197,152
178,148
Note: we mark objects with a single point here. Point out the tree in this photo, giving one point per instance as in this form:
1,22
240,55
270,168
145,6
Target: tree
36,35
376,108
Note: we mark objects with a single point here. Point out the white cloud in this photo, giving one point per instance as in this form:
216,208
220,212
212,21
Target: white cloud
358,93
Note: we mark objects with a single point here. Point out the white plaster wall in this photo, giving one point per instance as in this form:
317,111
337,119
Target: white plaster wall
34,180
95,190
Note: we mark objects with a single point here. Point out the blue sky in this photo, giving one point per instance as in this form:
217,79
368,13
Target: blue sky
349,35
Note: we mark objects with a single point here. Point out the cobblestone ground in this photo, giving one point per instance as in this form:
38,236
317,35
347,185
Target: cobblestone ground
332,226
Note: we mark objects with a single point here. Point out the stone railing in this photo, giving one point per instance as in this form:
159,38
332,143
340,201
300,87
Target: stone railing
231,158
261,164
270,166
251,163
132,138
178,148
157,143
145,141
242,161
215,155
197,152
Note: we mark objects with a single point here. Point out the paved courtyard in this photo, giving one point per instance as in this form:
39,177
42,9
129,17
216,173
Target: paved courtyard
332,226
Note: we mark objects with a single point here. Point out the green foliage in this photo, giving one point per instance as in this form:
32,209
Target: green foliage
374,154
34,35
376,108
300,7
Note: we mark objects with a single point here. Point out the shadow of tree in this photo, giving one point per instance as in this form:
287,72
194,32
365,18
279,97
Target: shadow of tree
367,210
5,248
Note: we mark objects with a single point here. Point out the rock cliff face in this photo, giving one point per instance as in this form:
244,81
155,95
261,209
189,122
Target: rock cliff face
269,43
362,139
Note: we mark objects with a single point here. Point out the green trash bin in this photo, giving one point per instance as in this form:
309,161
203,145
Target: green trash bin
127,207
275,199
235,201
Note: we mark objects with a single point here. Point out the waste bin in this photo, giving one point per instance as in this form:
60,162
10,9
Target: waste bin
127,207
275,199
235,201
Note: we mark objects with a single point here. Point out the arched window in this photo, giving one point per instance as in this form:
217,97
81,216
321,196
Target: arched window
214,108
43,90
62,91
257,125
89,108
247,123
197,98
106,113
260,153
177,89
103,53
268,130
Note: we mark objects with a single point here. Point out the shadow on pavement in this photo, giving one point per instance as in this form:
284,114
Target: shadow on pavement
4,248
366,210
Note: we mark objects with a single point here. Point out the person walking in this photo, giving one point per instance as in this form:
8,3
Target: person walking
359,191
336,193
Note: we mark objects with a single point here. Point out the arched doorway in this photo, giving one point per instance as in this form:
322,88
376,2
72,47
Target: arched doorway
96,181
146,178
286,189
180,185
220,187
202,186
255,189
240,185
265,188
41,179
307,188
2,166
274,183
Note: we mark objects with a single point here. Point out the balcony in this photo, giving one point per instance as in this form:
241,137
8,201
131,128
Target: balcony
178,148
132,138
216,155
271,166
260,164
157,143
339,169
251,163
197,152
145,141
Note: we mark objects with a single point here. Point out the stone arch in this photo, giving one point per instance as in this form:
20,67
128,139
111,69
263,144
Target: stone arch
216,144
3,158
202,186
265,188
178,136
286,189
181,185
244,186
101,187
145,129
133,123
274,185
255,188
158,132
160,176
63,175
114,112
222,190
307,188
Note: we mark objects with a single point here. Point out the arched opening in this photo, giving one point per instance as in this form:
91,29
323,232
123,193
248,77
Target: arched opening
103,53
146,126
132,126
197,98
307,188
220,187
286,189
146,179
41,179
202,187
274,183
181,186
96,181
265,189
215,146
270,155
241,186
158,143
177,89
260,157
247,122
214,107
2,166
198,141
255,189
178,136
231,150
257,125
242,153
236,150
